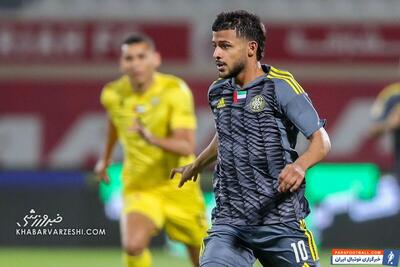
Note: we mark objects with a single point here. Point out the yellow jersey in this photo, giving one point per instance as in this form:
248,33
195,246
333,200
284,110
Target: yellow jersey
165,106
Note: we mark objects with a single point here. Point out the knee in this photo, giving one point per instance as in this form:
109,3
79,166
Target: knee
134,247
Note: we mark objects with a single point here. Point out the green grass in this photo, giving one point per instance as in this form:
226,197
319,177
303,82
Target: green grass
101,257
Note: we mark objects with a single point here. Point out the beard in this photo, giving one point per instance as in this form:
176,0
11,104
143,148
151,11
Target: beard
236,69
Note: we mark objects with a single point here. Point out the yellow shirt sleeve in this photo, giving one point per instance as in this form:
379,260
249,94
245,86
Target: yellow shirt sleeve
378,108
109,98
182,111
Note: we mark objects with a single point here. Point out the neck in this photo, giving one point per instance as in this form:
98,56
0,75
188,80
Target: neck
249,74
141,87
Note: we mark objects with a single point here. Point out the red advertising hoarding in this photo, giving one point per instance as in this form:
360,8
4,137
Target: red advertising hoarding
85,41
50,120
334,43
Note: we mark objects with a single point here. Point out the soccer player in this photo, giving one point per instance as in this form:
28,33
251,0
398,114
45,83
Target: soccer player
152,115
259,178
386,116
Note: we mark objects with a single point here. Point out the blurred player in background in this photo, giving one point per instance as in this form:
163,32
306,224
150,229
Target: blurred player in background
386,116
152,115
259,179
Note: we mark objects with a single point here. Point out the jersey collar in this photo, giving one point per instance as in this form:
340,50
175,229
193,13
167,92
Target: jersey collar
256,81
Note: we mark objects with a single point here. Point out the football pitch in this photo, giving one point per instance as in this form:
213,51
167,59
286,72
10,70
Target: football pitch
101,257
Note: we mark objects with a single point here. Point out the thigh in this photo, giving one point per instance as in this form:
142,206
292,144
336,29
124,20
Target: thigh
185,217
142,217
223,248
136,231
287,245
144,202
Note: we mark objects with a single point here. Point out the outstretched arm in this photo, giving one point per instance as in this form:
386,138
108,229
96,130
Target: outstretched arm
191,171
208,155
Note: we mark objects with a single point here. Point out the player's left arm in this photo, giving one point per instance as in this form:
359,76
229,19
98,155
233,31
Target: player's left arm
181,139
297,107
293,174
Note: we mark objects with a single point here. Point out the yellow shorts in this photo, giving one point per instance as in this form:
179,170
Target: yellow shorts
180,210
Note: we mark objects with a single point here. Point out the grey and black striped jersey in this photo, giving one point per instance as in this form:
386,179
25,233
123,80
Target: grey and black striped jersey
257,128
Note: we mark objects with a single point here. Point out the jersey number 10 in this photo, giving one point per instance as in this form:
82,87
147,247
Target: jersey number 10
299,248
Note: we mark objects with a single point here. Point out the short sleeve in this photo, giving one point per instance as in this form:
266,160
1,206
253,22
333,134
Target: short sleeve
386,101
182,108
108,98
381,109
297,107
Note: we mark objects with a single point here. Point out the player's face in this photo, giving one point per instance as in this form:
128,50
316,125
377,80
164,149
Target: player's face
230,53
139,61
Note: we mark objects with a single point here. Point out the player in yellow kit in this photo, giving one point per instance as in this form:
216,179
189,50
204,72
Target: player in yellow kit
152,115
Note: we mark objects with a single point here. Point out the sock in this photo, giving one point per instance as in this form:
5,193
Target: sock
143,260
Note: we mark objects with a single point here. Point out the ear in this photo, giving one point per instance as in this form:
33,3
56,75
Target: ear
157,59
252,48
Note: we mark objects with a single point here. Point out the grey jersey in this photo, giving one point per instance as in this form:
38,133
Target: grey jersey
257,128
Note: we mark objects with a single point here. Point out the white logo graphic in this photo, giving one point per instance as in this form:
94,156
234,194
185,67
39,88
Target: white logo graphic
36,220
35,224
391,257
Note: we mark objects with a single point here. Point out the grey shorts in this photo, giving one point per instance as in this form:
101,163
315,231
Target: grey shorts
276,245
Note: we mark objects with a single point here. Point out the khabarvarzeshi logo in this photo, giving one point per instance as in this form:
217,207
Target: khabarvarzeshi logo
37,224
38,220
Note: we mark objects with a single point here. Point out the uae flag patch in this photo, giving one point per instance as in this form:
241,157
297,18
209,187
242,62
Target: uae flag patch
237,95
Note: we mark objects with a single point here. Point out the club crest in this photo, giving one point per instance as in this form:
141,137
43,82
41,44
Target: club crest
257,103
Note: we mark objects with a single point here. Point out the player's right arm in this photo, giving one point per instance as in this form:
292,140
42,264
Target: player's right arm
191,171
106,157
110,100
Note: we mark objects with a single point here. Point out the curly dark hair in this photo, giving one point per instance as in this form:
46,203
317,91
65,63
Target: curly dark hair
246,24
